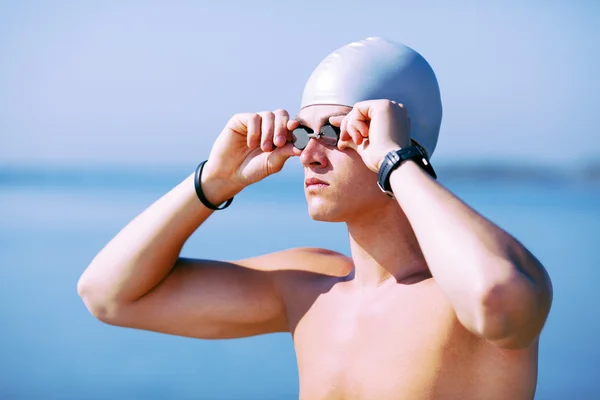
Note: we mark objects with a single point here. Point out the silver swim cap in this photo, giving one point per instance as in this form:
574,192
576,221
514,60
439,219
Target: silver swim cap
375,68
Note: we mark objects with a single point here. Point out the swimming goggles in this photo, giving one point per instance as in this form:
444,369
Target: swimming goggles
329,134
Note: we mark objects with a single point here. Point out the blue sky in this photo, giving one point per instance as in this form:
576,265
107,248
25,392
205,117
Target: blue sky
139,83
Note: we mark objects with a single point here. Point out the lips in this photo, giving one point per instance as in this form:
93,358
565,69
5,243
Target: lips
314,181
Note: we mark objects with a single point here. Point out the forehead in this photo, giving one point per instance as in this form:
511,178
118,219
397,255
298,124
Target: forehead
316,116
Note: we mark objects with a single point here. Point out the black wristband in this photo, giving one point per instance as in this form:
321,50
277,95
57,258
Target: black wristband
199,192
394,158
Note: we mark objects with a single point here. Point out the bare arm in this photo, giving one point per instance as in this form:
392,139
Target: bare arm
138,279
498,289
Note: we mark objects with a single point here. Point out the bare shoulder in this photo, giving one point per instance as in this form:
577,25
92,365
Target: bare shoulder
307,261
302,275
297,272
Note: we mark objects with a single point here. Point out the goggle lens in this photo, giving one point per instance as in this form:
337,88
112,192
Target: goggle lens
329,134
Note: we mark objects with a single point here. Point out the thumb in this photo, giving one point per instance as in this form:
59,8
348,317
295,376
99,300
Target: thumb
280,155
347,144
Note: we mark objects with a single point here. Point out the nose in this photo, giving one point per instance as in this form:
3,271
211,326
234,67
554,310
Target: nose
314,154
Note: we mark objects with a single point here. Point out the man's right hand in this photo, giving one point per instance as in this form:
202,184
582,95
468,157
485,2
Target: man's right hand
251,147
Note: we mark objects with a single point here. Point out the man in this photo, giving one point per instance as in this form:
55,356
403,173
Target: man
435,302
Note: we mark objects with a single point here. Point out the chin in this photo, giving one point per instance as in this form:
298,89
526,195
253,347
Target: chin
324,217
319,211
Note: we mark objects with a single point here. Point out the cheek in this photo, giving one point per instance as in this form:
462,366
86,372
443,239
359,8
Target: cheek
354,178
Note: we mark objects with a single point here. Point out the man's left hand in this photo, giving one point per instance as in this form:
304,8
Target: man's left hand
374,128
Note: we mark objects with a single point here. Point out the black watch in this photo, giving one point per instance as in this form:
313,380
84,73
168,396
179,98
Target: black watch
394,158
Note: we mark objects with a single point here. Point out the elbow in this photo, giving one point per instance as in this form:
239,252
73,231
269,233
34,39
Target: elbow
492,316
98,304
511,311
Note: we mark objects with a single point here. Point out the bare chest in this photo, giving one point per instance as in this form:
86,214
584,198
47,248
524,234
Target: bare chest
389,347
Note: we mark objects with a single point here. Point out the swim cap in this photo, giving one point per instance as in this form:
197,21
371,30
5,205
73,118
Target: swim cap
375,68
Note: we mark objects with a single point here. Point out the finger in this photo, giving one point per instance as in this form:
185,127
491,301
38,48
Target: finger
267,131
281,131
346,144
337,120
354,133
345,141
253,123
362,110
277,158
351,120
291,125
239,124
362,127
344,130
288,150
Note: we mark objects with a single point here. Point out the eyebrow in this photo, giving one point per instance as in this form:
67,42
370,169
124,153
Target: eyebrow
323,120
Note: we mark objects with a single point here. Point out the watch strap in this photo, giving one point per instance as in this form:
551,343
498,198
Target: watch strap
393,160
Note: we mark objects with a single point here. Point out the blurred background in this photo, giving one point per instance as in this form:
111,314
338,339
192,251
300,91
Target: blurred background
105,106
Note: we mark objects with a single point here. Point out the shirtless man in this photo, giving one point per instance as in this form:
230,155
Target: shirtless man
435,301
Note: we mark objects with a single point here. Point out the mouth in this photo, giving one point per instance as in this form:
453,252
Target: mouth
314,182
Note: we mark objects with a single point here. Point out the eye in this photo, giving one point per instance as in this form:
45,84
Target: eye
329,134
300,136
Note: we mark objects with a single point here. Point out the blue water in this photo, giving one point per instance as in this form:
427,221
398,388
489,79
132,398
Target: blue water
52,348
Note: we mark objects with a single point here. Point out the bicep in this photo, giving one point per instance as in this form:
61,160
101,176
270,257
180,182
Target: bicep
208,299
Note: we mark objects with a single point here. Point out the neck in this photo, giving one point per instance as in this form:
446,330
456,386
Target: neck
385,249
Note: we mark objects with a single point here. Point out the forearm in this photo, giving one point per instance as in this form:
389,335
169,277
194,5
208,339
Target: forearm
476,264
146,249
